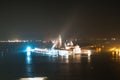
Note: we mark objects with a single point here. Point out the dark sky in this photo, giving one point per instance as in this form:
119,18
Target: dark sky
47,18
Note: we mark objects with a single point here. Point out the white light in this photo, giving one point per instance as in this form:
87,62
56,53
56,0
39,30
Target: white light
67,56
28,49
89,52
28,53
63,52
77,49
35,78
28,60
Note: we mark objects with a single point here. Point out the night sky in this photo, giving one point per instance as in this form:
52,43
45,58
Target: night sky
46,19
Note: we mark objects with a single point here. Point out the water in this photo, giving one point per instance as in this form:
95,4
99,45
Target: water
103,66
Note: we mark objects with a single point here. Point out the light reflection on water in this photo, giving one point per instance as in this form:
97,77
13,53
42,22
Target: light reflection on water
116,56
34,78
29,67
89,58
28,58
63,59
29,71
77,58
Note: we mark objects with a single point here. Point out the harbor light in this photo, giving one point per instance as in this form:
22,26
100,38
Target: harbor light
28,49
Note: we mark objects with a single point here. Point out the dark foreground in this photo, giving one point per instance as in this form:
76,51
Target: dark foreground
104,66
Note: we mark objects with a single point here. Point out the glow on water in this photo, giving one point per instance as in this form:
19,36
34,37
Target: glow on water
34,78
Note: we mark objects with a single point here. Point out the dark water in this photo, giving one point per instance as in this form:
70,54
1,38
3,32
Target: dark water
104,66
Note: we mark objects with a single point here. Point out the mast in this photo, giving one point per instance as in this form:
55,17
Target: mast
59,41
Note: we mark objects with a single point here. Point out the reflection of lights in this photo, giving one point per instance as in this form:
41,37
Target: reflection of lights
98,50
89,52
28,58
67,56
77,58
116,50
113,53
89,59
28,69
119,54
28,53
35,78
28,66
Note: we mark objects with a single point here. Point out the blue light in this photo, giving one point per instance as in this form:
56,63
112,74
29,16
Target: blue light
28,58
28,53
28,49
